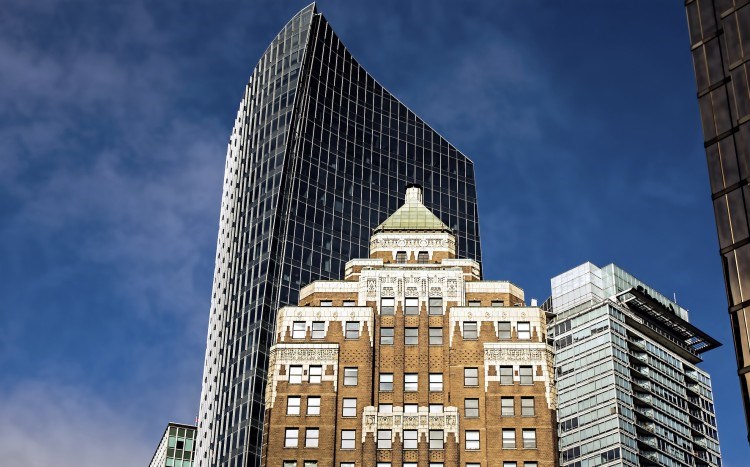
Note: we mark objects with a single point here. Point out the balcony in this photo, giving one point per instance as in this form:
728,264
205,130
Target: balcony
649,440
644,411
642,383
639,356
643,397
647,426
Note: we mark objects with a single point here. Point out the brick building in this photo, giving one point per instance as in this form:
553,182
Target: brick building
411,360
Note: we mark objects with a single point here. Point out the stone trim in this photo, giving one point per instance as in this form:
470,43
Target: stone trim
283,355
422,421
289,314
538,355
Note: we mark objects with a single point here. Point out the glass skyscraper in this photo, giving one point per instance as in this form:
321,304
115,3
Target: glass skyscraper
720,44
629,391
320,154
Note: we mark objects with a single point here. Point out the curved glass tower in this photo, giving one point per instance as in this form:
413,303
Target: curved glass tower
320,154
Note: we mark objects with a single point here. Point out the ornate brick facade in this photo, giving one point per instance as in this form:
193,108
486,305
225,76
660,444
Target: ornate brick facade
411,360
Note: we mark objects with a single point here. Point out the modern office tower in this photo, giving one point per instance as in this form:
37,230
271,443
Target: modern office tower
319,154
629,391
176,447
411,360
720,40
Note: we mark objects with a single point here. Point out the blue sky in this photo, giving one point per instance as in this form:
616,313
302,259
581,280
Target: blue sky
580,116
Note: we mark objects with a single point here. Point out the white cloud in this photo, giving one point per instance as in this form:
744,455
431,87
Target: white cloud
44,424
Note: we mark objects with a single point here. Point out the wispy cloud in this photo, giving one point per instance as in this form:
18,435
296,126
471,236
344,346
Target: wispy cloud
44,423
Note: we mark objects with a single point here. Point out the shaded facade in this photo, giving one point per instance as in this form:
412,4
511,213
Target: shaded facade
176,448
629,390
411,360
319,154
720,44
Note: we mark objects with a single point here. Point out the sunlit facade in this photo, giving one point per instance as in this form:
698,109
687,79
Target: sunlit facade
629,390
411,360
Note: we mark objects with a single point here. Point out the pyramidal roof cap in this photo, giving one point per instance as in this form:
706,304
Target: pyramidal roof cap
413,215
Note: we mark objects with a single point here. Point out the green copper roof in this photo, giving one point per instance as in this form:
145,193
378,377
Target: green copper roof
413,215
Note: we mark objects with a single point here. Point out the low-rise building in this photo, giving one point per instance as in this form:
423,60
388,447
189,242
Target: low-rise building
176,448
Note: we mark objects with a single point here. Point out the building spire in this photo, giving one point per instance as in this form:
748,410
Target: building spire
413,216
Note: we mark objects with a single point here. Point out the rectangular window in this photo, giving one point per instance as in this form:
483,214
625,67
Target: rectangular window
471,377
507,407
349,408
298,330
503,329
346,464
470,329
506,375
350,376
312,435
498,303
400,256
509,438
326,303
530,464
347,439
411,336
527,406
383,464
386,336
436,336
436,381
411,408
525,374
384,439
436,439
385,408
529,438
436,306
423,257
292,405
436,408
474,303
472,440
315,374
295,374
350,303
509,464
313,405
318,330
471,408
411,439
410,464
411,382
411,306
290,464
386,382
436,464
309,464
524,330
352,330
291,435
387,306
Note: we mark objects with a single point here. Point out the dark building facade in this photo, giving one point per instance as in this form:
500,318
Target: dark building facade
720,44
319,155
